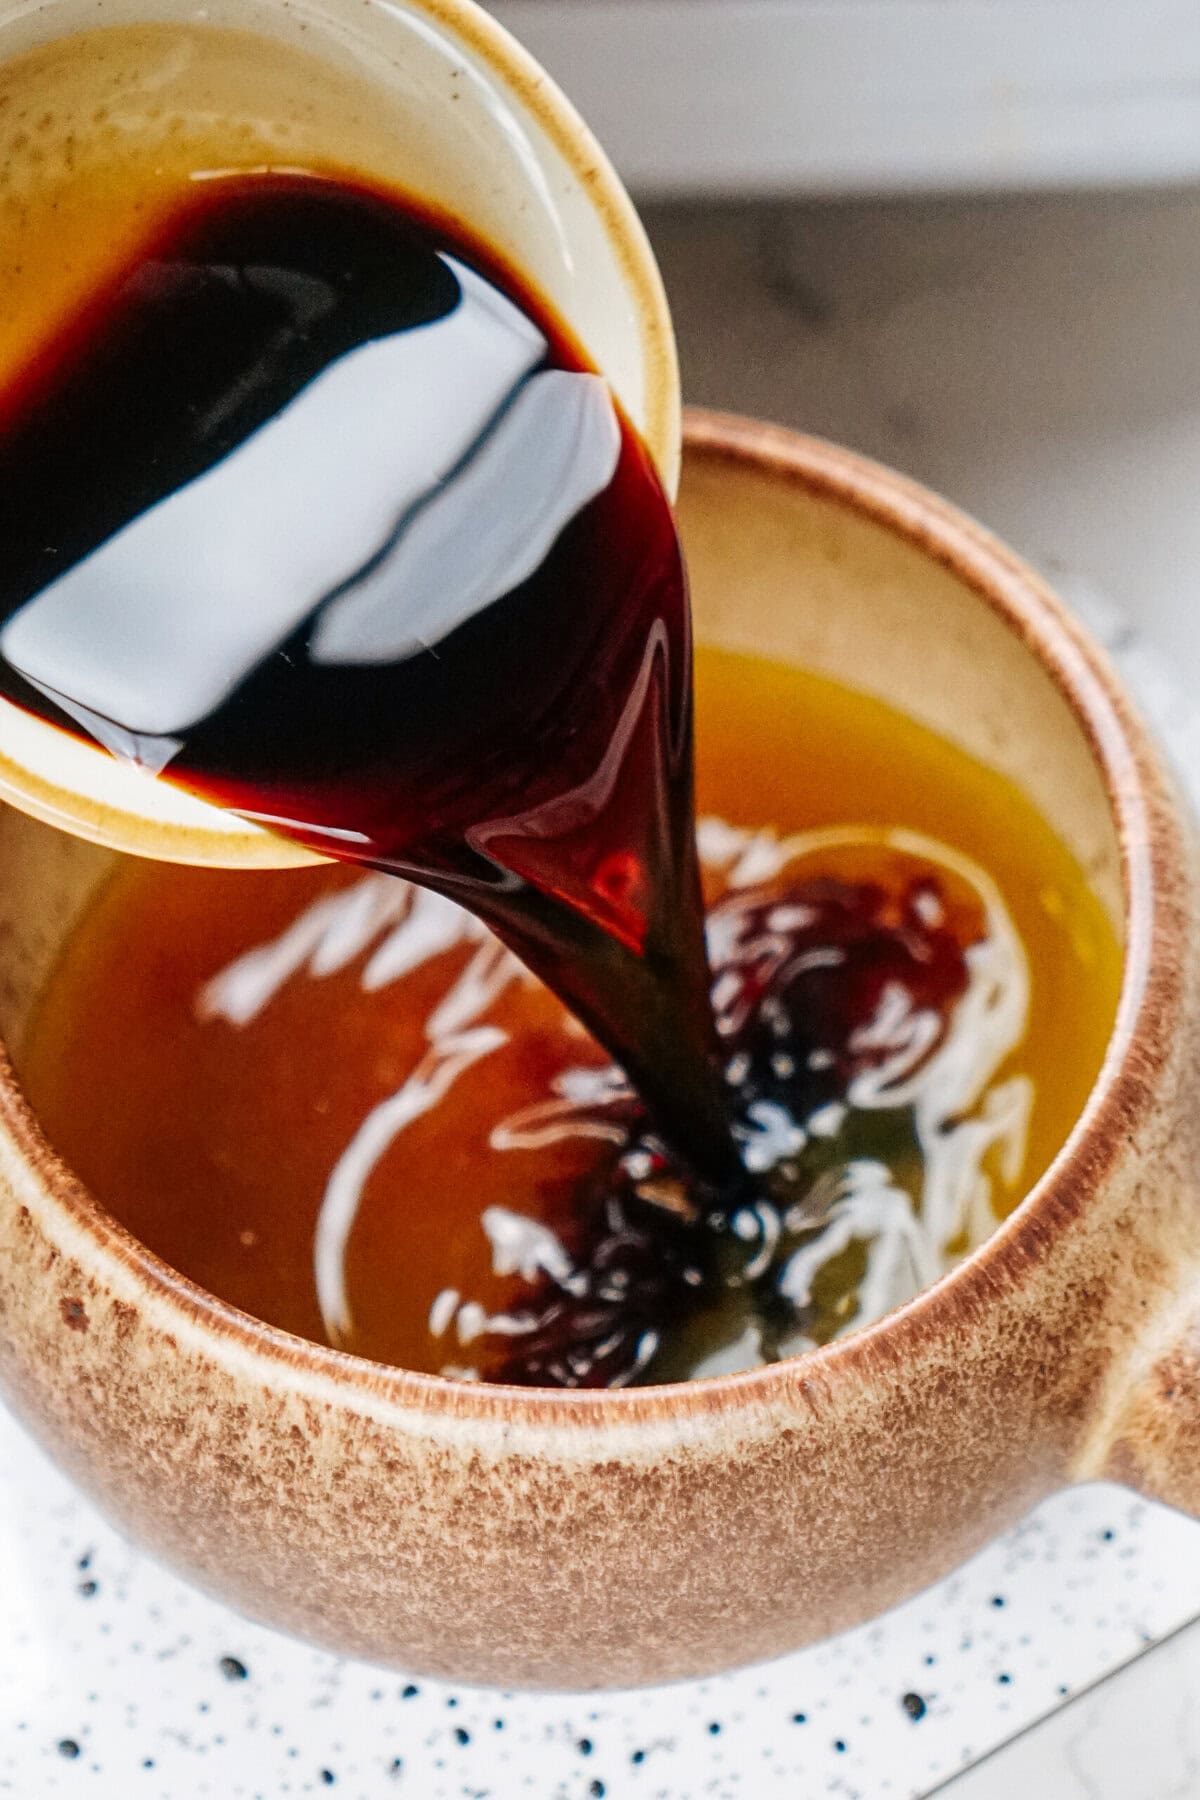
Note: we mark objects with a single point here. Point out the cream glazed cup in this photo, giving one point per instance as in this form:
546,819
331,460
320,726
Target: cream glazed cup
532,1538
431,97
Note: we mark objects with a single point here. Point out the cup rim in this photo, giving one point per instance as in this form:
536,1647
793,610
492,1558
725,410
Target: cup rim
194,832
1152,860
575,142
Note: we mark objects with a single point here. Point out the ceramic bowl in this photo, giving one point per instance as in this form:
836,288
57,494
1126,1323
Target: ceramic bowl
583,1539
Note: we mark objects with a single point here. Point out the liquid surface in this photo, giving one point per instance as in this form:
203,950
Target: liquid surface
312,510
338,1102
311,507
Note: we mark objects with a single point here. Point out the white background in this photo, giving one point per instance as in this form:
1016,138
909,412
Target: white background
854,96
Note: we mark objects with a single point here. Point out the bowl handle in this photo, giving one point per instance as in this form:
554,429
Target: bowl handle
1153,1442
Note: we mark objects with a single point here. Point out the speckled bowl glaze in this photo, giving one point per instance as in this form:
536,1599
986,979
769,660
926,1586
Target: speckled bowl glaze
586,1539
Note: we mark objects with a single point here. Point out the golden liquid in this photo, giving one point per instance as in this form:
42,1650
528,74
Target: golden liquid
214,1142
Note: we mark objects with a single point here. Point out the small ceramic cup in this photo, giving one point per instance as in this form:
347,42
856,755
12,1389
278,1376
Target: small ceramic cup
431,97
583,1539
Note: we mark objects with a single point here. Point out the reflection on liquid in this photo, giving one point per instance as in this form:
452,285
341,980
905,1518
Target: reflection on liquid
871,1192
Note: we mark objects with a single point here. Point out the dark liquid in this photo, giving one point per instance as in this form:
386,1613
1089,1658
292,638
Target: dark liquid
479,675
657,1275
316,512
215,1048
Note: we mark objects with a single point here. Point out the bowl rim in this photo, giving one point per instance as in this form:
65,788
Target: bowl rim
1153,869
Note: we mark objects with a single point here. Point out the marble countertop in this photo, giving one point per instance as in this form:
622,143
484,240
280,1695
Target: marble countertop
1038,361
1135,1735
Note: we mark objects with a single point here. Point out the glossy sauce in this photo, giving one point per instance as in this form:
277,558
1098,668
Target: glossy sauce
226,1065
316,512
311,507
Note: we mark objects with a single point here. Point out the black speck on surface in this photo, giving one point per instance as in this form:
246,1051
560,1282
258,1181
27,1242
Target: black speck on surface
839,1745
639,1756
233,1669
69,1748
410,1692
85,1562
799,1718
328,1777
86,1589
451,1699
597,1790
997,1599
396,1765
584,1746
1004,1680
1063,1688
930,1660
913,1705
714,1728
1108,1535
462,1734
497,1724
147,1762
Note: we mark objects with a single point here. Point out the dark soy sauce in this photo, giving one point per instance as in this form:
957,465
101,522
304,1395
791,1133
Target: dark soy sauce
316,512
657,1277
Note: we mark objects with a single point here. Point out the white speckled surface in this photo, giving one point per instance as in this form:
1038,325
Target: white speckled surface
103,1650
1038,361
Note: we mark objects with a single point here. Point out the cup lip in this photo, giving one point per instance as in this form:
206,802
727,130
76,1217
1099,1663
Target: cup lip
575,142
1153,871
216,841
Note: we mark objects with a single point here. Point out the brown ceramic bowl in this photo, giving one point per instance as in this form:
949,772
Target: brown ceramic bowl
584,1539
